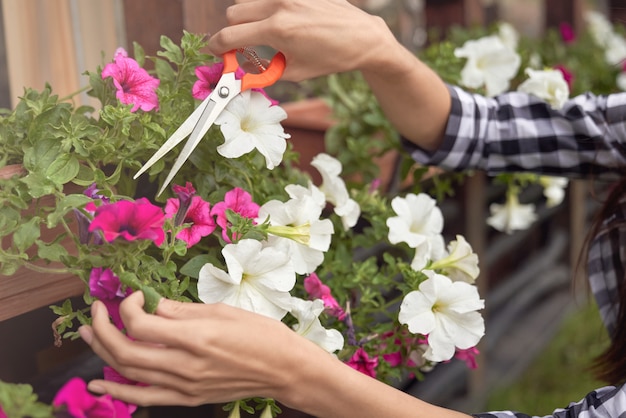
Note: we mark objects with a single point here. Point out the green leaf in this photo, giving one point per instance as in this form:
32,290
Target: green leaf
151,299
26,234
38,185
171,51
51,252
193,266
9,219
41,155
139,54
130,279
63,169
18,400
63,206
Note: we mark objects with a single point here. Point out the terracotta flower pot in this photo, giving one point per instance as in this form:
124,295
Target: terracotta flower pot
307,122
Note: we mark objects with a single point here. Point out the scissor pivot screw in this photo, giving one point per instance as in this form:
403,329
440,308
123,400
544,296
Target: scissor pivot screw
223,92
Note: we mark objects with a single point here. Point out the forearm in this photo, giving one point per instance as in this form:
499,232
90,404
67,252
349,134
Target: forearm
327,388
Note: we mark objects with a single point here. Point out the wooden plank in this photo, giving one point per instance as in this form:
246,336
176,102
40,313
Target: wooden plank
147,20
206,17
440,15
27,290
617,11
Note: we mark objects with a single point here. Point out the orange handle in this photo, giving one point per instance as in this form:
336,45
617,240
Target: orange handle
268,77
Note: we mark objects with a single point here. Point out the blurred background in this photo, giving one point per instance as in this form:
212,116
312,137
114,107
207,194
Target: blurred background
534,337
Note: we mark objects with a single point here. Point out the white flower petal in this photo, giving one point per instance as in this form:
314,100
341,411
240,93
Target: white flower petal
309,326
446,311
250,121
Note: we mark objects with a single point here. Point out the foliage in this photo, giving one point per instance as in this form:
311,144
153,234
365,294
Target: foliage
79,161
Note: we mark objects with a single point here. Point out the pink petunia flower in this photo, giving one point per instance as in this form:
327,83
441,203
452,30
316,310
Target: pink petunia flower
318,290
198,215
362,362
2,413
106,286
209,76
130,220
468,356
567,33
134,85
239,201
80,403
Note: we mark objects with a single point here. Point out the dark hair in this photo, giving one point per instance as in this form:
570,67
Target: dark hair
610,366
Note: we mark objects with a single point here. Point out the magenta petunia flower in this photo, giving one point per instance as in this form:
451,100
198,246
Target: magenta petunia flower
198,215
2,413
468,356
134,85
129,220
567,33
318,290
239,201
80,403
209,76
185,192
106,286
568,76
362,362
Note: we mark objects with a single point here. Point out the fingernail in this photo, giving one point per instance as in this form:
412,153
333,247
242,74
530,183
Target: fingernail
94,307
95,388
86,334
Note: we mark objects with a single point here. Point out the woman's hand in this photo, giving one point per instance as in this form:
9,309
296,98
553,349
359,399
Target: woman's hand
320,37
190,354
317,37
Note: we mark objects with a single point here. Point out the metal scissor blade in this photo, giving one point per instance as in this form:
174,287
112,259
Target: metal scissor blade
202,126
181,133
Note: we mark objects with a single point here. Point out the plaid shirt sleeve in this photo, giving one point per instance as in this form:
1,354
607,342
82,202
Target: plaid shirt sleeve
519,132
586,138
606,402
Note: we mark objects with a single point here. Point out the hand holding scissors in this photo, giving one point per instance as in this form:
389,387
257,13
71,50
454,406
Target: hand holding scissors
201,119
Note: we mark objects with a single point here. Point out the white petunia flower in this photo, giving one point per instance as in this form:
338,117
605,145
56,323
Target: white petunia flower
433,249
615,51
599,26
553,189
549,85
621,80
446,311
250,121
489,62
419,223
307,313
296,191
335,190
461,264
509,35
512,215
304,214
258,279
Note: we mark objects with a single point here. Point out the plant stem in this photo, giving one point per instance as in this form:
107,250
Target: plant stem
76,93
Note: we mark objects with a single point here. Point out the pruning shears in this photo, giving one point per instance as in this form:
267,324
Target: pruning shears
201,119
